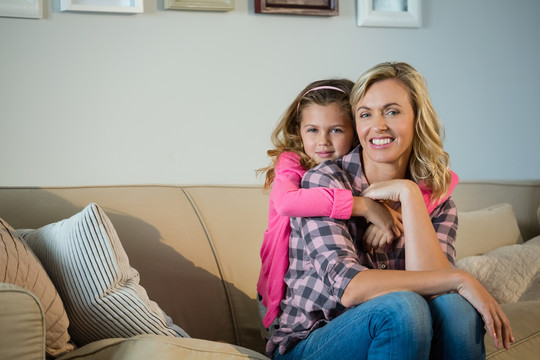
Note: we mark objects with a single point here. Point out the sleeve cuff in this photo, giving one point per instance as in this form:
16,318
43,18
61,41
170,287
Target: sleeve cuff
343,203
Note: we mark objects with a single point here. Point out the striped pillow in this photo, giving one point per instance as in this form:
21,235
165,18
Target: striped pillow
86,261
19,266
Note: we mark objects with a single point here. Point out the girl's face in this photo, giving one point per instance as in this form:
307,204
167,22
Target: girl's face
385,124
326,132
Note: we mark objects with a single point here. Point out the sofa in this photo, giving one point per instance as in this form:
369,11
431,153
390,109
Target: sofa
190,255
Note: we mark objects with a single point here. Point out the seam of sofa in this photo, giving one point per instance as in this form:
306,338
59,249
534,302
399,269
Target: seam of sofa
218,263
161,339
516,344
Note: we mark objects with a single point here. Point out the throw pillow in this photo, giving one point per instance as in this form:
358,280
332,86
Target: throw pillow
19,266
508,272
87,263
483,230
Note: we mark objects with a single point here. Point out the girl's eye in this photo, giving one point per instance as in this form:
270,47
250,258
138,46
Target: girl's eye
337,130
312,130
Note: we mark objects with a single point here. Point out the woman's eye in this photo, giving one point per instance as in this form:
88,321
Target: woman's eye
392,112
363,115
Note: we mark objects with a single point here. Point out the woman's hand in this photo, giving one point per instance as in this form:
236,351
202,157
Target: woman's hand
497,324
377,238
388,190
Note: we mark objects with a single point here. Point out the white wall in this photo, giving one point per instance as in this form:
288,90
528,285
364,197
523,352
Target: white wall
184,97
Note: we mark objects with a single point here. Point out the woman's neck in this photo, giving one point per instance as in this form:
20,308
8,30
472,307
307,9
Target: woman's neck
376,172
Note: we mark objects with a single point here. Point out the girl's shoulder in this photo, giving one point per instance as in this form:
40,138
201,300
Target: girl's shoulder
288,159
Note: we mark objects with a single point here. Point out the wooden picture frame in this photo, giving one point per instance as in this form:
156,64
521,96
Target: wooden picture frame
31,9
297,7
112,6
207,5
389,13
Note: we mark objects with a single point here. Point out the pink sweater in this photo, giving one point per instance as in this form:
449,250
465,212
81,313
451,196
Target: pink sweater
288,200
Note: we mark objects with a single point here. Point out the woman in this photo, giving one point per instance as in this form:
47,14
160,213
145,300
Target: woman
348,298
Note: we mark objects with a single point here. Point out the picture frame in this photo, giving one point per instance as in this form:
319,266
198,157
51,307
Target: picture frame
112,6
389,13
31,9
297,7
205,5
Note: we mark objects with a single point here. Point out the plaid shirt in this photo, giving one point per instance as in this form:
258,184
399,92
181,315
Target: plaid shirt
325,254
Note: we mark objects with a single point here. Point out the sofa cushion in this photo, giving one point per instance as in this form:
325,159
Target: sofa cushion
86,261
19,266
162,348
486,229
509,272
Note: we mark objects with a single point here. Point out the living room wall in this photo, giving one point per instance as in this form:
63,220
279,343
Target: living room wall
186,97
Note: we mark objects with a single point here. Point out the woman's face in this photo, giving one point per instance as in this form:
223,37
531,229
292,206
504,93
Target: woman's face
326,132
385,124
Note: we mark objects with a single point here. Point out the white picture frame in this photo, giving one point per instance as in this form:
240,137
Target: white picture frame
31,9
207,5
113,6
389,13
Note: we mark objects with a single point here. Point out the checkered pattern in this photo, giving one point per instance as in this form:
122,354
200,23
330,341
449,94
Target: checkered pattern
325,254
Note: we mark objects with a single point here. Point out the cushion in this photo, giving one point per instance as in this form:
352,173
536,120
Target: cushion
162,348
86,261
19,266
508,273
486,229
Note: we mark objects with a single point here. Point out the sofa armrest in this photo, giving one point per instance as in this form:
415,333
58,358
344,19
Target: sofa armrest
22,324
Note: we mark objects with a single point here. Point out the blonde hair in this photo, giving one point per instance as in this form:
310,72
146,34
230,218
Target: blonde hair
285,136
428,161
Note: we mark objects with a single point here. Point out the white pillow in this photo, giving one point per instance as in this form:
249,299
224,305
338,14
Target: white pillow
100,290
507,272
483,230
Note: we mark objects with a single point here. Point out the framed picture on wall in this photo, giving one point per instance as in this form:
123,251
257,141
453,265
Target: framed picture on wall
209,5
297,7
116,6
32,9
389,13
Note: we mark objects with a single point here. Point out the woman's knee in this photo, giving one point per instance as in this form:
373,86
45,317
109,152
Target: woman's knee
455,310
411,311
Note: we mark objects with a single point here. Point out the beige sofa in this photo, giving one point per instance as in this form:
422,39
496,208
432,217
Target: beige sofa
196,249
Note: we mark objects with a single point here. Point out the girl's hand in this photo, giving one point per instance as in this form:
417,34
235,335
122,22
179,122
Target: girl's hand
497,324
376,238
387,221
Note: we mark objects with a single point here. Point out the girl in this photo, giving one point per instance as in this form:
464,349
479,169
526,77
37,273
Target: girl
317,126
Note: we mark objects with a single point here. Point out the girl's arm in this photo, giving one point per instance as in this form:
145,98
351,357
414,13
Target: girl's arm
292,201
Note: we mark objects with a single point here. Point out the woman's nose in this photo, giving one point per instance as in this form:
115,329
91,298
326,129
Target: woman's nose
379,123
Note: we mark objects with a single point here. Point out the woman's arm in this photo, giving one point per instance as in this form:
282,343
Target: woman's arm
369,284
423,250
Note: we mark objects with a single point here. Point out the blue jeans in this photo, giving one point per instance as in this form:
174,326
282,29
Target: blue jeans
400,325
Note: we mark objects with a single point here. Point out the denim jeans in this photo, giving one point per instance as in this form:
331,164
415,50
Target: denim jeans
400,325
